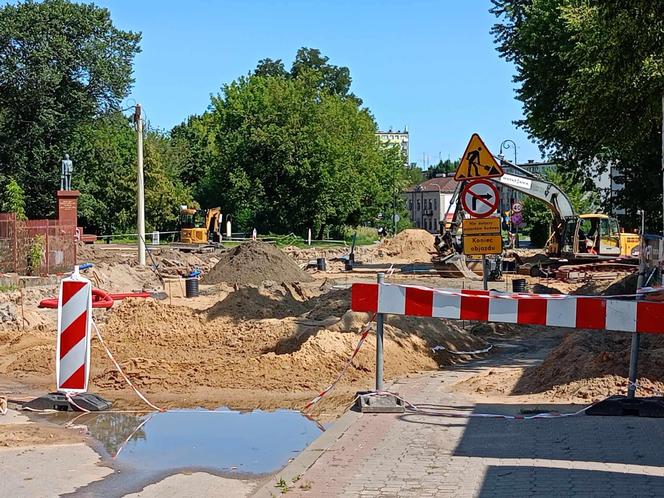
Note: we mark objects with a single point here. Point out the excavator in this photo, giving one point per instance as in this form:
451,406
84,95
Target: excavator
574,238
199,227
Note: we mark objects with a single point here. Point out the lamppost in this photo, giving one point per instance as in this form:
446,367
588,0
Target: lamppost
505,144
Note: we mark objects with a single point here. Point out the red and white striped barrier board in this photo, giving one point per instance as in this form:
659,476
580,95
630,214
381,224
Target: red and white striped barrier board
529,309
72,365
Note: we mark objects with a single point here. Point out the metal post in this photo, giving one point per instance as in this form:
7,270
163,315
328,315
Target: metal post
138,120
485,273
394,213
663,164
636,338
379,341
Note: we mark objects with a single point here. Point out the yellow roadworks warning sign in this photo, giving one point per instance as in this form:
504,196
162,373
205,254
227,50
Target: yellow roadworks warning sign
477,162
478,226
478,245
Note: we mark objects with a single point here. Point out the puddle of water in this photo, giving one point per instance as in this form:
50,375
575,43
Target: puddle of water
255,442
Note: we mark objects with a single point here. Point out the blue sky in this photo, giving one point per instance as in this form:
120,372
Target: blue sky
429,65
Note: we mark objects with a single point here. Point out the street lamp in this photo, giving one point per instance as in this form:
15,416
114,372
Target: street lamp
506,145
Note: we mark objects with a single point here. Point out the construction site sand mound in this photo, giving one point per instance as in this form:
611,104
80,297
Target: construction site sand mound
253,263
167,260
409,245
289,349
590,365
620,285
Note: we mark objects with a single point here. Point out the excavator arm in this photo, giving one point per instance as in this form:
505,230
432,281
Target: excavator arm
564,215
538,188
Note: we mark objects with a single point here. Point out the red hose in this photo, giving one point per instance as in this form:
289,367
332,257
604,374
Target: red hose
100,299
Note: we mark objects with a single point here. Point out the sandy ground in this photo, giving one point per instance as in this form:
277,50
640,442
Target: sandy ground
277,344
197,484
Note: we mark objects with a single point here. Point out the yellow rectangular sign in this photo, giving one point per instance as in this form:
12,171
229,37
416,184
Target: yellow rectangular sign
477,245
477,226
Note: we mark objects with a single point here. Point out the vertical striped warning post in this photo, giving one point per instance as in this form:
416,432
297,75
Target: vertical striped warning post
72,361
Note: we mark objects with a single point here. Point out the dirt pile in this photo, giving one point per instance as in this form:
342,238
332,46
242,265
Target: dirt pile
167,260
267,340
590,365
122,277
621,285
253,263
412,245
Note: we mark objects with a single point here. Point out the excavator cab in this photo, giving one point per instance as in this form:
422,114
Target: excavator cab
198,226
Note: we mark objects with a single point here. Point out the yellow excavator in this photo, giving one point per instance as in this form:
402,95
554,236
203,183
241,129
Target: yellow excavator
200,226
593,239
573,236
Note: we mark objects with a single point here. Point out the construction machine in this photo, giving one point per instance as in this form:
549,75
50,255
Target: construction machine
573,236
200,226
575,239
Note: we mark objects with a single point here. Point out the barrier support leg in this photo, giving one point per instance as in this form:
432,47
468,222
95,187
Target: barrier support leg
379,401
485,273
633,365
380,321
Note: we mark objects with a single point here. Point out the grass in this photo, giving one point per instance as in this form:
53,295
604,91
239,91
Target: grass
8,288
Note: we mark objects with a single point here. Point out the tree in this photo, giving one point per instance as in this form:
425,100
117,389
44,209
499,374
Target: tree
61,64
105,152
590,75
285,153
269,67
443,167
310,63
13,200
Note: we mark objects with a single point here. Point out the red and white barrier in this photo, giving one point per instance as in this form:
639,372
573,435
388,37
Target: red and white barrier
72,365
528,309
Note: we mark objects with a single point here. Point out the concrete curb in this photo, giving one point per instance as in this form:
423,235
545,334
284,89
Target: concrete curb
308,457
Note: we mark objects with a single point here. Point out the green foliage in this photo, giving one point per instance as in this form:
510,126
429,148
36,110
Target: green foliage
365,235
63,63
105,149
443,167
13,200
537,215
591,78
285,152
36,254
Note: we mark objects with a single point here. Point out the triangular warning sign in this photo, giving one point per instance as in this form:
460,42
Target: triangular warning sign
477,162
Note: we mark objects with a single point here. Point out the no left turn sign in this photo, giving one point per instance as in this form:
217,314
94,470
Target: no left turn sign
479,198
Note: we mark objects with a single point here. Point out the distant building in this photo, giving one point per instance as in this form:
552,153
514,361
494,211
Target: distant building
610,183
399,138
429,202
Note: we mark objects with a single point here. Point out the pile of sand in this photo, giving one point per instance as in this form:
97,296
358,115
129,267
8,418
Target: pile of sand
620,285
253,263
591,364
265,340
412,245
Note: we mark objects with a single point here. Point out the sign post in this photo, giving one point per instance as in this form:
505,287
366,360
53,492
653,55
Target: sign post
480,199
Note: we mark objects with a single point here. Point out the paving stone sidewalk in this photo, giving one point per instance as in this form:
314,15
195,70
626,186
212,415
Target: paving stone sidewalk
420,455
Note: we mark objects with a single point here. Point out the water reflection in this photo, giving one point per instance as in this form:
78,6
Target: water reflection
252,442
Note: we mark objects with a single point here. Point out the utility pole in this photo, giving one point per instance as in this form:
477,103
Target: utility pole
663,164
138,121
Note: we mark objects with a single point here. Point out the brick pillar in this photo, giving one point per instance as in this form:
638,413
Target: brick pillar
68,207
